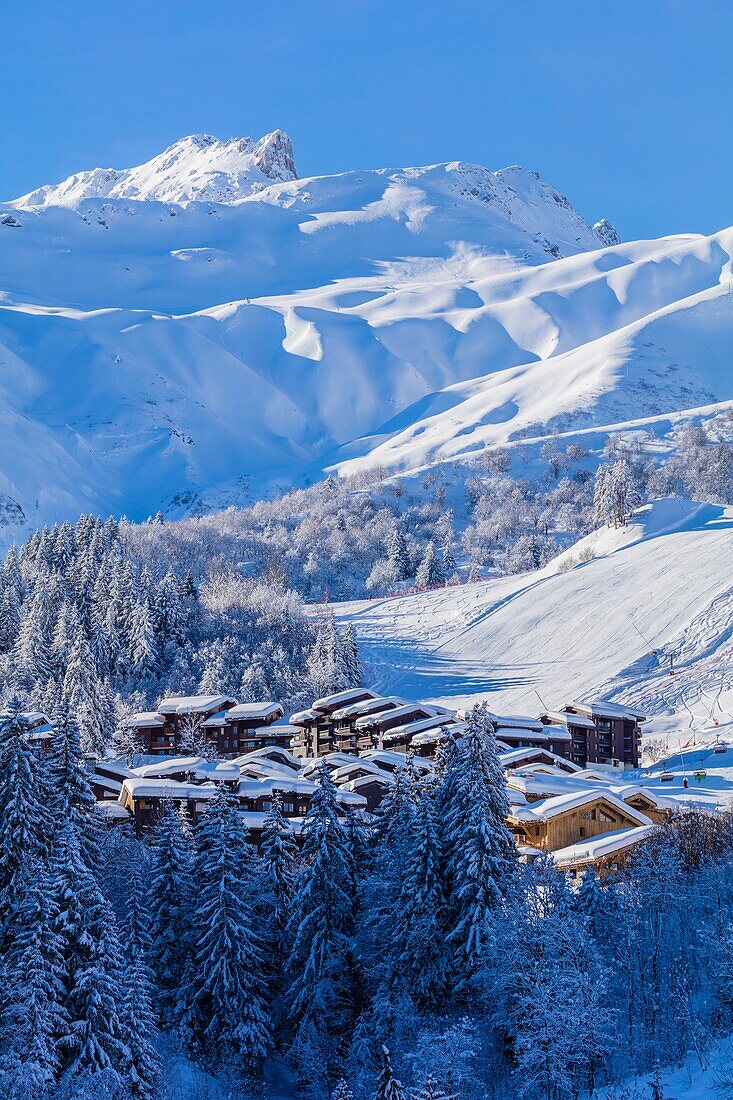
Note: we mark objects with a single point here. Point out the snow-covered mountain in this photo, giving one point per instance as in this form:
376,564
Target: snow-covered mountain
168,329
198,168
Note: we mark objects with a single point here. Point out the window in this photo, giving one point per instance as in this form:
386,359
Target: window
607,818
288,807
266,805
582,830
142,804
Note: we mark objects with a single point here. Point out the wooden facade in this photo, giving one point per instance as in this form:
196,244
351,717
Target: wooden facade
550,832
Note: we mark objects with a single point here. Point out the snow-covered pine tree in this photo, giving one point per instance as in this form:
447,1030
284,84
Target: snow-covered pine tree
388,1086
71,793
140,1067
142,642
23,820
83,692
171,911
322,928
430,571
279,853
92,1043
397,552
429,1089
32,1013
227,1015
415,956
480,855
353,672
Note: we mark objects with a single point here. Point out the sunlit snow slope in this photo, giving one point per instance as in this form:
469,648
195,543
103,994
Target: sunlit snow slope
167,329
605,628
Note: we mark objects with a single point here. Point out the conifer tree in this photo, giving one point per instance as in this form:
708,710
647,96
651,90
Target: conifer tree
92,1043
23,826
83,693
279,857
225,988
140,1067
32,1013
415,955
322,928
430,571
388,1086
353,673
170,902
480,855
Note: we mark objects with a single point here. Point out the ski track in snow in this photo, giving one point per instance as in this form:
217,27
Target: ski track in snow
543,639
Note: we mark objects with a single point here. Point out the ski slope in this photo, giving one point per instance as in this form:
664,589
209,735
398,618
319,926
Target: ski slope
603,628
175,330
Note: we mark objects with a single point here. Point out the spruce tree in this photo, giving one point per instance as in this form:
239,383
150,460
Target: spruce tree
480,855
92,1043
171,910
388,1086
32,1012
322,928
225,989
23,821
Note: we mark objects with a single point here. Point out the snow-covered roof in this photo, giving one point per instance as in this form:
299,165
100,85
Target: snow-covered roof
166,788
390,761
303,717
343,698
169,766
219,771
517,721
194,704
562,718
113,810
598,847
356,762
381,778
255,820
563,803
539,732
332,760
262,711
422,724
369,720
517,756
602,708
144,719
265,788
265,753
368,706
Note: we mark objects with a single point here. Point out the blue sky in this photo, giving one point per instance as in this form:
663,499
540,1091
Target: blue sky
623,105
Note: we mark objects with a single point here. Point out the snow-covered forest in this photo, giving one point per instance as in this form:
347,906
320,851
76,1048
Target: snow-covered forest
409,955
105,616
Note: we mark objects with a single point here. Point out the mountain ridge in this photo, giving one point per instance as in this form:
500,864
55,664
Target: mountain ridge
154,351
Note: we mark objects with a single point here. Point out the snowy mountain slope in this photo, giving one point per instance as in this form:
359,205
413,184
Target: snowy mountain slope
157,349
663,583
199,167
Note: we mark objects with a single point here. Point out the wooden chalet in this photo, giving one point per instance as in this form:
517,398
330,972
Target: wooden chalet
521,758
388,728
603,854
567,819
